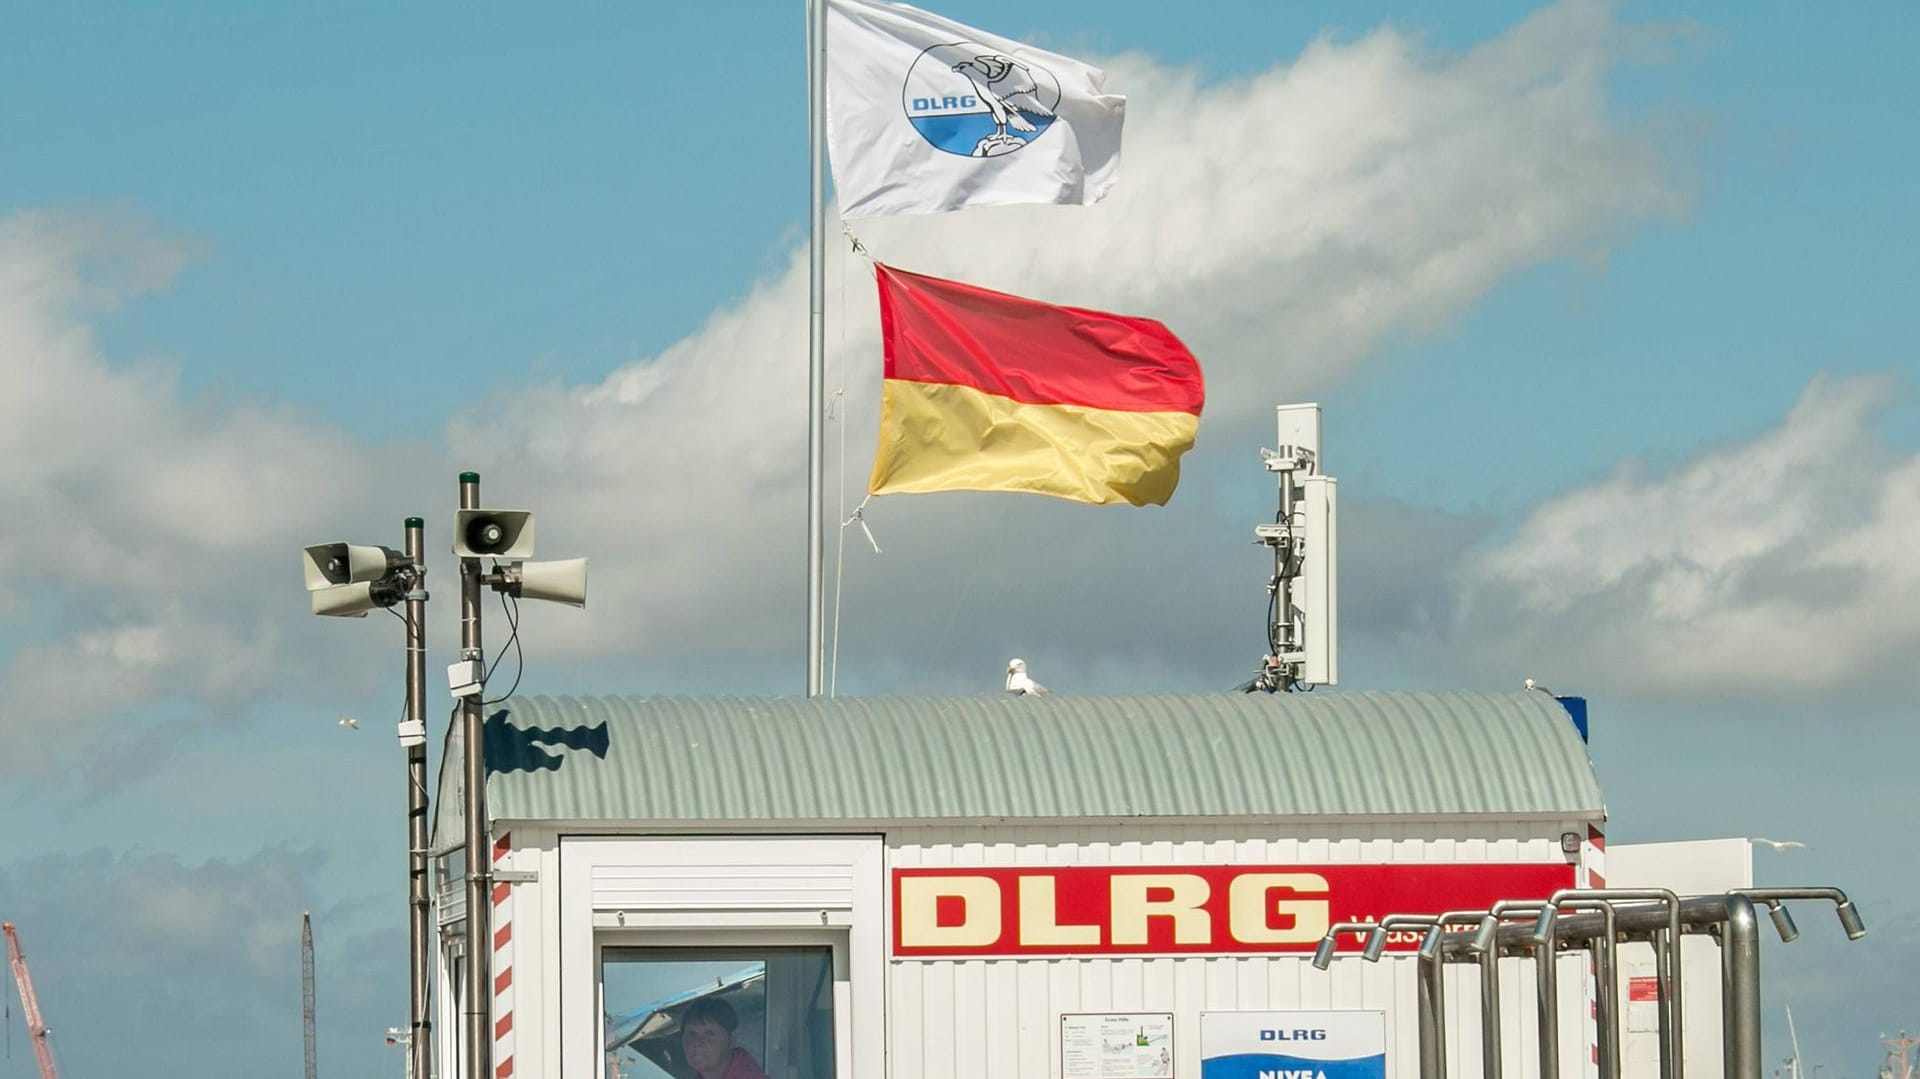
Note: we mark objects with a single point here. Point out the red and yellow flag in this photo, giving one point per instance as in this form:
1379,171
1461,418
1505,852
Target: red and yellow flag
990,392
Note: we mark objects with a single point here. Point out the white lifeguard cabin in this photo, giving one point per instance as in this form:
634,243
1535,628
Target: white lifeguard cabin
1017,888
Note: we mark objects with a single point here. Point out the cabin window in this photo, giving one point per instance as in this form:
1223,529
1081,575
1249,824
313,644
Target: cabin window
718,1013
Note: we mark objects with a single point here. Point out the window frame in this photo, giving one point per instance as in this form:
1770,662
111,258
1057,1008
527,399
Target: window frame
668,939
854,929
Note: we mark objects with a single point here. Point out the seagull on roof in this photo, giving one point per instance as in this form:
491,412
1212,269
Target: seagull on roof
1019,683
1006,87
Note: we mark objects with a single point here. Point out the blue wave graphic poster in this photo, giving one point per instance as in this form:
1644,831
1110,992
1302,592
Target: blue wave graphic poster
1293,1045
1266,1066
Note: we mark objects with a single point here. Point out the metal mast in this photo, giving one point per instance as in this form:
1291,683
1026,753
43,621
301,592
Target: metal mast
414,738
36,1028
1302,604
306,988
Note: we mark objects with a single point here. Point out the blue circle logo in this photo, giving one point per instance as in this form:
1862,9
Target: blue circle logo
973,101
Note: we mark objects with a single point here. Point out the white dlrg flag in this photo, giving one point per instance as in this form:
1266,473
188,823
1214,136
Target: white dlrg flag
926,115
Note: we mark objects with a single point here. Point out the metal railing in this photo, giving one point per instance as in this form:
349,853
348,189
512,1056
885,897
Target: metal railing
1597,921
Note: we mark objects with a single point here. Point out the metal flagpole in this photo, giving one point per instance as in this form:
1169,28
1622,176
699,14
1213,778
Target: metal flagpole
816,323
478,983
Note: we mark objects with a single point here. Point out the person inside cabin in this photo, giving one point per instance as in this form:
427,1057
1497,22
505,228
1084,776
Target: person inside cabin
706,1036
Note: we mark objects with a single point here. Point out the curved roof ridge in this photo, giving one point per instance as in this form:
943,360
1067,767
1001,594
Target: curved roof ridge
793,759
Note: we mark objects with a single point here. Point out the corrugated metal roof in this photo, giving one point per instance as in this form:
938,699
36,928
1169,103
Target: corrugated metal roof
778,760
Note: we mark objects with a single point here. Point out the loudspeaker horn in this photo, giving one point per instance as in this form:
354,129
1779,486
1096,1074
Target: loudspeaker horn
564,581
330,564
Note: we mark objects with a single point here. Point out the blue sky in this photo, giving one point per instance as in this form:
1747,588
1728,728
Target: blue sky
272,273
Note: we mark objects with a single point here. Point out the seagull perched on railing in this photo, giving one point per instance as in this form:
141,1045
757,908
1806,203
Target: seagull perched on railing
1006,88
1019,683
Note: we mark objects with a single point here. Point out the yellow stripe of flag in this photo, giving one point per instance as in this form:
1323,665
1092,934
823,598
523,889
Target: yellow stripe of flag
937,437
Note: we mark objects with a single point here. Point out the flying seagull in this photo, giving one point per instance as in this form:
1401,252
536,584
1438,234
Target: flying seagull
350,723
1007,88
1019,683
1780,844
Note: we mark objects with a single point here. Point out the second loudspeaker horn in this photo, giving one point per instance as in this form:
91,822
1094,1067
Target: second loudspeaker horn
562,581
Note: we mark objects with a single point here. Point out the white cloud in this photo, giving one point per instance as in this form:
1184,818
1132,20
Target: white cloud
1778,564
1285,224
150,539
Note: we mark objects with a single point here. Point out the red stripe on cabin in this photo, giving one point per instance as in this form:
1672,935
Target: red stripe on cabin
502,935
502,981
502,1025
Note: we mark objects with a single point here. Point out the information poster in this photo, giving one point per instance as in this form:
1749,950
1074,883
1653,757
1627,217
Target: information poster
1293,1045
1116,1046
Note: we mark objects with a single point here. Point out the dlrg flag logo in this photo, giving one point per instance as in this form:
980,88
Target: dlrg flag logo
970,100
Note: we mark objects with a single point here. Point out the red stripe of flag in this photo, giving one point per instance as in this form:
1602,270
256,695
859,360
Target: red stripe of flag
950,333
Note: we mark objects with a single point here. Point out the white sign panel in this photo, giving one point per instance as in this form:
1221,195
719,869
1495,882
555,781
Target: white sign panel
1293,1045
1102,1046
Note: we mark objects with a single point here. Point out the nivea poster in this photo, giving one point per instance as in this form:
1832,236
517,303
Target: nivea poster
1293,1045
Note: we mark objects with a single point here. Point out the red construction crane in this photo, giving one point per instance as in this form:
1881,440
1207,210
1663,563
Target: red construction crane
36,1029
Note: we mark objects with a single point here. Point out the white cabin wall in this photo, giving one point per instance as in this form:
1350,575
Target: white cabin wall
1000,1017
966,1018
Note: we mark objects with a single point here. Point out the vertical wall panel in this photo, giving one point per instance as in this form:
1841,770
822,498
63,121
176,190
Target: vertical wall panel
1162,985
1096,984
970,1018
1223,987
1001,1006
1250,982
938,1020
1190,996
906,1019
1063,979
1032,988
